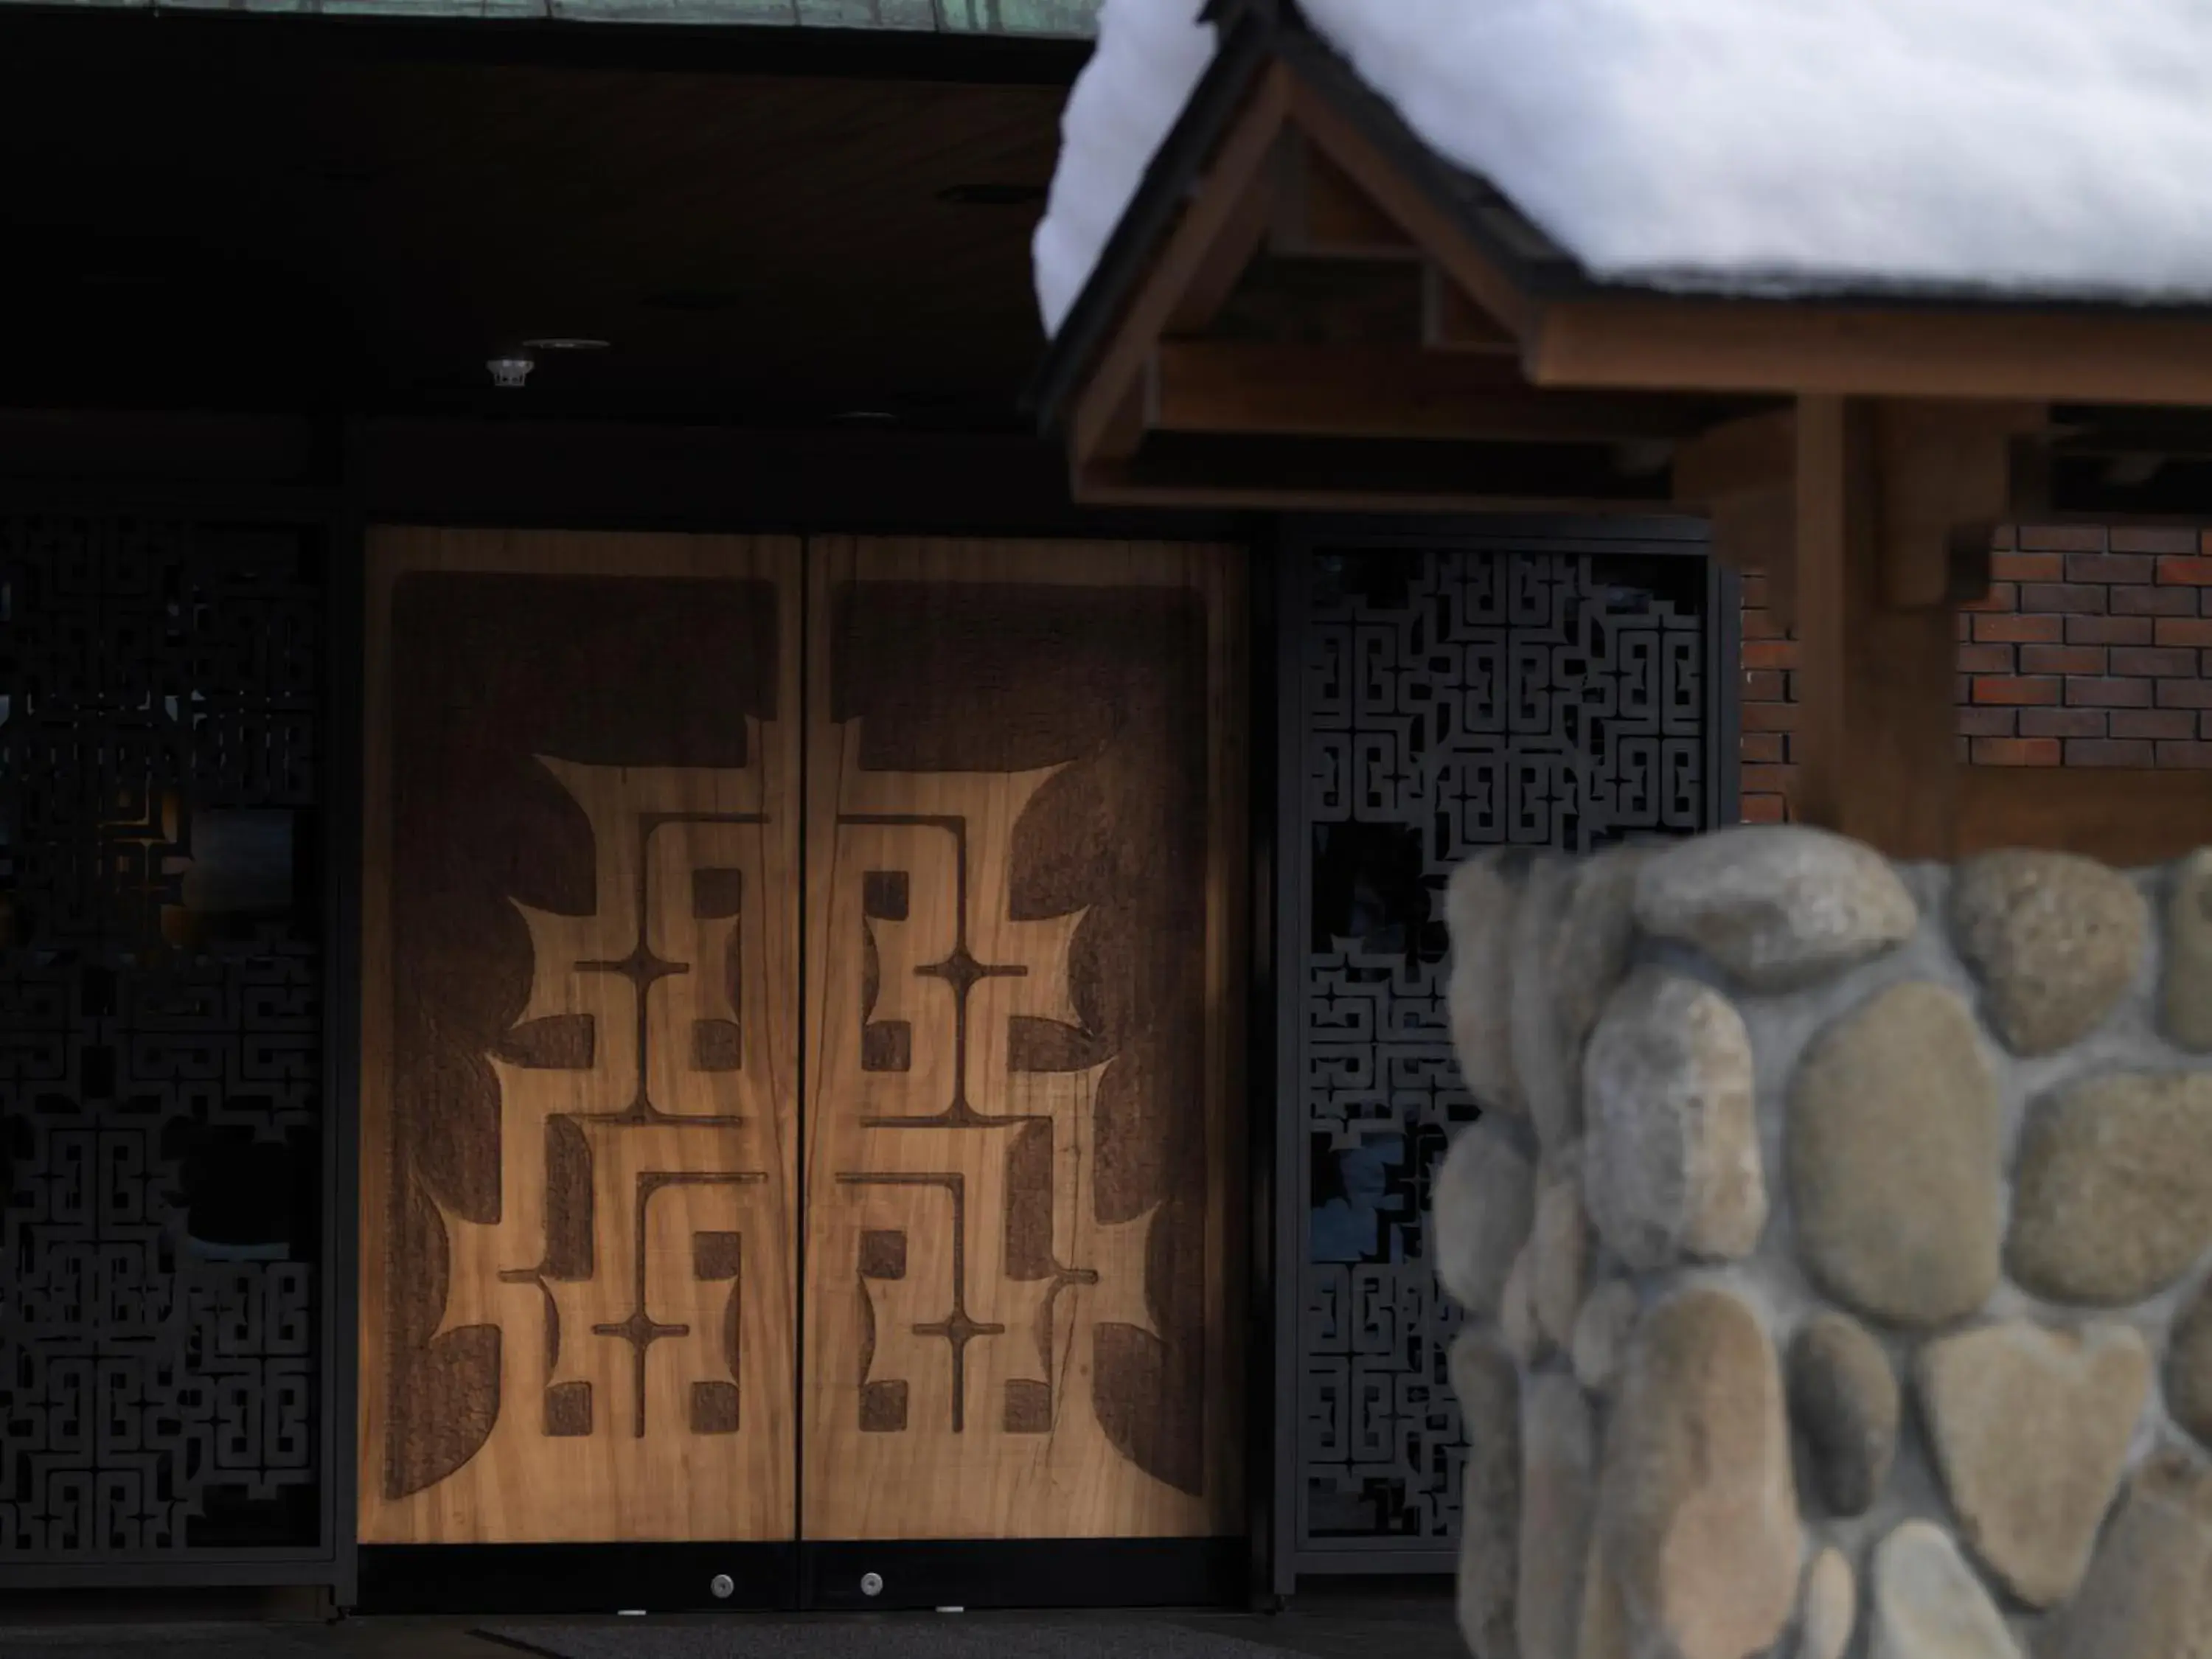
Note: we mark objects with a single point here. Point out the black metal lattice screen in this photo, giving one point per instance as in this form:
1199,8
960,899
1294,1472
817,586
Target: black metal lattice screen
1446,697
163,1184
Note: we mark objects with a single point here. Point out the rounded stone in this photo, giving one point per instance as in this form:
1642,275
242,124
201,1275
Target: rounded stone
1832,1608
1697,1506
2056,939
1672,1165
1559,1242
1847,1404
1517,1325
1539,1040
1927,1603
2031,1428
2149,1593
1894,1153
2189,1367
1489,1390
1480,1208
1602,1330
1777,905
1558,1483
2188,989
1480,905
1595,939
2113,1191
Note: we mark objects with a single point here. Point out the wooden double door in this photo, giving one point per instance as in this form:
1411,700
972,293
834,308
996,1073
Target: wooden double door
801,1024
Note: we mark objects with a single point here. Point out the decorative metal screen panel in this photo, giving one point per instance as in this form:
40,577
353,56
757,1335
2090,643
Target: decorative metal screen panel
162,1126
1441,698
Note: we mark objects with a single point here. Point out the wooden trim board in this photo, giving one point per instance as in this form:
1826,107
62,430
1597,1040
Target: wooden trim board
2128,819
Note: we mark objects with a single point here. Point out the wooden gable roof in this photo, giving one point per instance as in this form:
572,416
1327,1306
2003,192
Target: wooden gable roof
1306,306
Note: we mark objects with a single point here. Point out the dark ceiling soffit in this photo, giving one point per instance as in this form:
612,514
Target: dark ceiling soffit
1245,49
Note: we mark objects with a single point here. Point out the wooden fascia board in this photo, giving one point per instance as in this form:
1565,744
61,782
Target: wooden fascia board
1219,211
1751,347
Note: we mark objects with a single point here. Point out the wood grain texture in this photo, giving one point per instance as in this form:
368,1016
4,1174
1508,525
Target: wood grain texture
2128,819
1026,836
1876,686
579,1084
2108,355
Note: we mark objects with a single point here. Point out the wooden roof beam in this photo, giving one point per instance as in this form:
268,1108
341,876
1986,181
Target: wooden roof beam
1232,387
1754,346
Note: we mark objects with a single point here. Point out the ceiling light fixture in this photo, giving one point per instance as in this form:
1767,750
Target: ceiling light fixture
509,372
565,343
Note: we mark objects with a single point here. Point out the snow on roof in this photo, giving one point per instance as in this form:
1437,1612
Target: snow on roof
2032,148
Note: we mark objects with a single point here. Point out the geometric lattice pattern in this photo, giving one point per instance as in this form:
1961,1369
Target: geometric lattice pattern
1449,700
160,1051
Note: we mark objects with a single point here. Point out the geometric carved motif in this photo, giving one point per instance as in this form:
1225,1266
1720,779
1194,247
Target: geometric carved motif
1017,1319
967,1325
162,1100
1450,700
581,1056
610,1295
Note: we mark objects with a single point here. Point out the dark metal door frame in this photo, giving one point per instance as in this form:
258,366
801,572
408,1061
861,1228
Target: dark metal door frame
1422,1539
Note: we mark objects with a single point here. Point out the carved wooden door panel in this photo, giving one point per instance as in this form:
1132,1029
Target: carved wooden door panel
579,965
1024,837
583,1031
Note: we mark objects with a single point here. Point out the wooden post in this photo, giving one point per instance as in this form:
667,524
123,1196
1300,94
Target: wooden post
1877,686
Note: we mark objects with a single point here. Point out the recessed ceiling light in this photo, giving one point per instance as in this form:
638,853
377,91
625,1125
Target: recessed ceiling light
565,343
992,195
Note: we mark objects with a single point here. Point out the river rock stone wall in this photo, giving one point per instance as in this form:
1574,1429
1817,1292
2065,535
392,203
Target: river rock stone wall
1837,1245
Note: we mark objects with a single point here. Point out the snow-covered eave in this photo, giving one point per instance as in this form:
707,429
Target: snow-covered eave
1245,50
1533,263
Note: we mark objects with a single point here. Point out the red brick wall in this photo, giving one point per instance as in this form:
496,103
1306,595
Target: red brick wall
2094,649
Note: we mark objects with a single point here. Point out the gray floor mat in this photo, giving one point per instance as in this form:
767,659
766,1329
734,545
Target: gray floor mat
920,1636
150,1642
